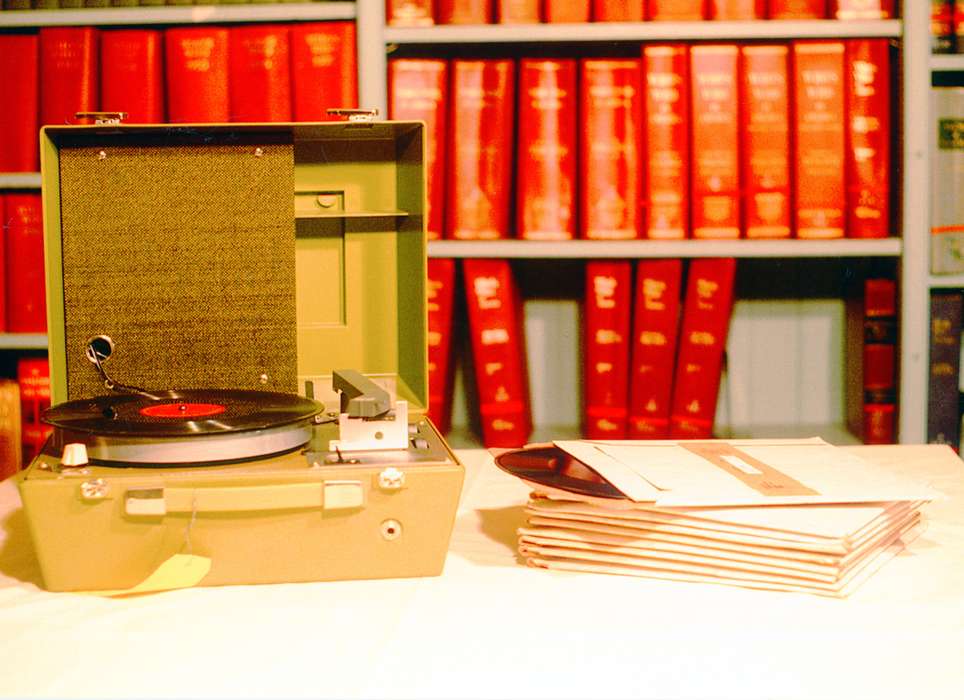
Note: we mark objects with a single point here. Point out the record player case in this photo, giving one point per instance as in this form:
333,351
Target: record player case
253,257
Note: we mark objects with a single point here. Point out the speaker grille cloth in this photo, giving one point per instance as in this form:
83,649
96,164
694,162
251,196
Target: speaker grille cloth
185,256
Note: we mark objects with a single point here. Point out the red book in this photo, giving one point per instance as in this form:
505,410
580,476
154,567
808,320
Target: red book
33,376
196,60
942,25
3,266
441,308
68,73
607,328
618,10
716,141
862,9
736,9
798,9
518,11
409,13
610,115
567,10
666,181
654,339
464,11
879,361
19,149
959,25
704,326
676,10
820,139
546,161
324,69
498,352
131,74
26,287
480,150
417,88
766,140
868,142
259,82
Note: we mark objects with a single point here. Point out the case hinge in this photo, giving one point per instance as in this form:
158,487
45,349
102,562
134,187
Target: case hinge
102,117
354,115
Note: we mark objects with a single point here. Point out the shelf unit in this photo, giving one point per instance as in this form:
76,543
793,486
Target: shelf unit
908,253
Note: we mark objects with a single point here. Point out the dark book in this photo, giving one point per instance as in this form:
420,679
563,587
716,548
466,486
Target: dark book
943,421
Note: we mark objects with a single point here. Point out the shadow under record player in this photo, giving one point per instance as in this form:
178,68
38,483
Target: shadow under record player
257,258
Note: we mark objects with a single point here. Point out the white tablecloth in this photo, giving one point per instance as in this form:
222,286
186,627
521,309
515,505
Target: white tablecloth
490,627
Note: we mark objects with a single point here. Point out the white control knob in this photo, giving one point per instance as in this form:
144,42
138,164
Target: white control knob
75,455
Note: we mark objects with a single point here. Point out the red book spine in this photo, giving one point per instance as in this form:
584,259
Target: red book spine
441,307
567,10
259,83
798,9
607,322
862,9
716,141
409,13
676,10
463,11
416,89
868,143
942,25
611,118
498,351
26,302
324,69
618,10
518,11
19,84
68,73
479,147
736,9
33,376
546,161
3,264
666,181
879,358
131,74
766,141
705,322
958,27
655,335
196,61
820,139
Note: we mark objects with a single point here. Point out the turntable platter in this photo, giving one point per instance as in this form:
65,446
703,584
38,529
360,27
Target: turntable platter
181,413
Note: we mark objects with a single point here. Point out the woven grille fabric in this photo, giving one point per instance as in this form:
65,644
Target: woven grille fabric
184,254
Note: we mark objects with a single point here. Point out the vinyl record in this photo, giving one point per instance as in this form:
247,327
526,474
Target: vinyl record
192,412
555,468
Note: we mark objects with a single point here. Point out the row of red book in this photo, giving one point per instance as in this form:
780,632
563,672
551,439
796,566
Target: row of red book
428,12
242,73
23,306
654,340
22,402
702,141
653,356
947,26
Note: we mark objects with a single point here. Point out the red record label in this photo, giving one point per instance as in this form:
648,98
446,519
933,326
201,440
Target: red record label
181,409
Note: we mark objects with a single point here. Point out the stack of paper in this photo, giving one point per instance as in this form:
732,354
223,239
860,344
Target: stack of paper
784,515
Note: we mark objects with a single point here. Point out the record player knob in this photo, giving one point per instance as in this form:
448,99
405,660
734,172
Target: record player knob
75,455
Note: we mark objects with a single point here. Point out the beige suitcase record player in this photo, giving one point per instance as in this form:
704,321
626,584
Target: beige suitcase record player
237,323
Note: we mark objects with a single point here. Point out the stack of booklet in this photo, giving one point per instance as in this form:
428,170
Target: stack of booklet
791,515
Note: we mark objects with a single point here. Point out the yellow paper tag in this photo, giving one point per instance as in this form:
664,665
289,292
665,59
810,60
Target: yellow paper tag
180,571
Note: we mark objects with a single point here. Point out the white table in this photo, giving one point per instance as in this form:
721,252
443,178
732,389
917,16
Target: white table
490,627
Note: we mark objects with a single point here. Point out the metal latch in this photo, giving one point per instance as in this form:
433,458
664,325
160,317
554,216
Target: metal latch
354,115
102,117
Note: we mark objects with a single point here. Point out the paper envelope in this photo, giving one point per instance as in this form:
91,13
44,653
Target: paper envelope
694,473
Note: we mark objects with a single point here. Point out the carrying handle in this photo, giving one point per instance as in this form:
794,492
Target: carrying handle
328,495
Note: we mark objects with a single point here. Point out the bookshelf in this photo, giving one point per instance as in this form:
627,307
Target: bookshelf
800,390
802,325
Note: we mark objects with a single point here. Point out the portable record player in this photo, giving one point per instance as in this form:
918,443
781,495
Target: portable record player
237,326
